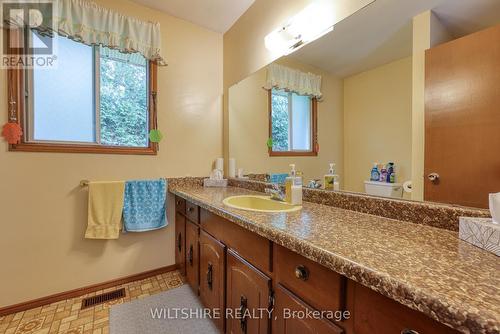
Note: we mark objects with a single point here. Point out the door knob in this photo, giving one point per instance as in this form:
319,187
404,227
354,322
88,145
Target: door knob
433,177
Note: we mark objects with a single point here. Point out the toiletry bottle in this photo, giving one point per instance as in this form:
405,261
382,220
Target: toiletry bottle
390,171
289,182
392,178
296,198
298,179
329,181
375,174
383,174
336,183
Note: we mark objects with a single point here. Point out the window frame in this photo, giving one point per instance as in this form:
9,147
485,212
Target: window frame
314,131
17,92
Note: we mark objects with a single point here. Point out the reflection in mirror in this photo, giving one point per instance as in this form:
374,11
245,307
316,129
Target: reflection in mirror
291,122
399,106
292,111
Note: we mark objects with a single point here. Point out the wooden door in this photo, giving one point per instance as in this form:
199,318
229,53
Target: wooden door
247,294
462,119
180,242
192,259
285,323
212,274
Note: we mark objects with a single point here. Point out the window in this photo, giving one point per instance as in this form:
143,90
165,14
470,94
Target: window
96,100
292,124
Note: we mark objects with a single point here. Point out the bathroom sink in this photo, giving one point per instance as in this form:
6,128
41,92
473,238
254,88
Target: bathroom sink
259,204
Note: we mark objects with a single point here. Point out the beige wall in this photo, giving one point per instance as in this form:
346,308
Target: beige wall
43,211
377,116
249,126
421,42
428,31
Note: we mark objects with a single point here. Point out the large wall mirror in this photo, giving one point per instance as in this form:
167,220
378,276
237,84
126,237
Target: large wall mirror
406,105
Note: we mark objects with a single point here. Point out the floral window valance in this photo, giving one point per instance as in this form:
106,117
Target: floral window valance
86,22
302,83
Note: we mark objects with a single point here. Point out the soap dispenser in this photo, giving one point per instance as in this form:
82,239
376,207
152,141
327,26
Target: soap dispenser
289,181
330,180
293,187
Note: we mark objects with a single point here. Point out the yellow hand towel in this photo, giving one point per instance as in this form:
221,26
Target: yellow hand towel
105,210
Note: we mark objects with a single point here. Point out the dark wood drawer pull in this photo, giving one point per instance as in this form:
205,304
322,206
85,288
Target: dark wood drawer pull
190,258
178,203
409,331
210,276
302,273
243,309
179,242
190,209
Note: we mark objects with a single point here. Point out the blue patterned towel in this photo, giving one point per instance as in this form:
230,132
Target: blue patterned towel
144,207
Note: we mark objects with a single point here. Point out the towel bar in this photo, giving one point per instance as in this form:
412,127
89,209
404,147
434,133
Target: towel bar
84,183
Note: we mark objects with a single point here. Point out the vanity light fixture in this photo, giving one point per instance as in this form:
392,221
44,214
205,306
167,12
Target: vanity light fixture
310,24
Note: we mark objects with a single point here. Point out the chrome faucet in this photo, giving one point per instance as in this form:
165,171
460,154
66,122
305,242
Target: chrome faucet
276,192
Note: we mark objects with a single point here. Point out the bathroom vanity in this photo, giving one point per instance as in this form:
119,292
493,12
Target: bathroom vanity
367,268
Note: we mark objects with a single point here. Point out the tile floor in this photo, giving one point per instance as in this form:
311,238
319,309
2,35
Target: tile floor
65,317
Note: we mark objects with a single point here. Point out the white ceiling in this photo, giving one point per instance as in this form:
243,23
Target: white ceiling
382,32
216,15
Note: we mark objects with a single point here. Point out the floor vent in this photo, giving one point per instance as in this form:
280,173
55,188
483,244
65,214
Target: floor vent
105,297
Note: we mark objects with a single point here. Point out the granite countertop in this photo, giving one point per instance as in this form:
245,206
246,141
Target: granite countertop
425,268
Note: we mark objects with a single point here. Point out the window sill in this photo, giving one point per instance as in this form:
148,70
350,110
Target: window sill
61,148
293,154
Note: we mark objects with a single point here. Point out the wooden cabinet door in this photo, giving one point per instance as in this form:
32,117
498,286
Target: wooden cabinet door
180,242
192,259
287,322
462,119
212,272
180,205
192,212
247,293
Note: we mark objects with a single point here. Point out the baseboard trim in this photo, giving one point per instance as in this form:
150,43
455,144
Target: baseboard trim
82,291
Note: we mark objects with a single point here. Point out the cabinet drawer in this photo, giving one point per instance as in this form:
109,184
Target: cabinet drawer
252,247
318,286
180,205
180,242
287,323
212,274
373,313
192,258
192,212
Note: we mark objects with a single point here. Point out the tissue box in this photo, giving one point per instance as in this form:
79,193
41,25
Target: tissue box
481,232
215,183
